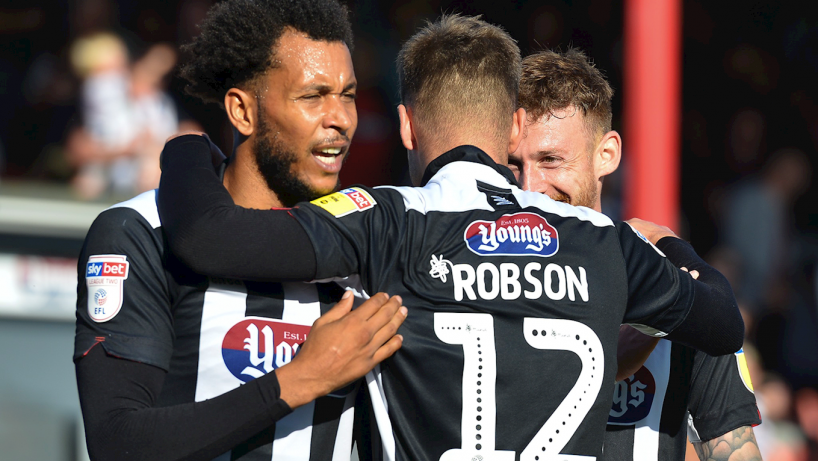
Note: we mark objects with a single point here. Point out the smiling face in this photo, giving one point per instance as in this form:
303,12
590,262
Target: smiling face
557,157
307,116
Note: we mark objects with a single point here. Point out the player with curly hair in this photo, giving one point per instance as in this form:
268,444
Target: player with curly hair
172,364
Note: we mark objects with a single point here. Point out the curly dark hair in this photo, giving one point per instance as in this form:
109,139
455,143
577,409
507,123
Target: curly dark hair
553,81
238,39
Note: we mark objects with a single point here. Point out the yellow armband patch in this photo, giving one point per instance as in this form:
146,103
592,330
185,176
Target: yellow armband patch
744,370
345,201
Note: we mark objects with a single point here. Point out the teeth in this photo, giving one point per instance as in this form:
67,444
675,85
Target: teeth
327,160
332,150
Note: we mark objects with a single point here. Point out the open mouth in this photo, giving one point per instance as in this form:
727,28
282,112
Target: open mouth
328,155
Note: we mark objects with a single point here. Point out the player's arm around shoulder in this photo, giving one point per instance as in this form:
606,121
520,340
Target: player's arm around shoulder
633,349
701,313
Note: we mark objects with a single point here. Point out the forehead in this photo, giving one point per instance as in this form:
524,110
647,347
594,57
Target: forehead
563,131
302,61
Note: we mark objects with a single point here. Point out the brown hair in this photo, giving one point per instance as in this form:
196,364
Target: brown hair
461,72
552,81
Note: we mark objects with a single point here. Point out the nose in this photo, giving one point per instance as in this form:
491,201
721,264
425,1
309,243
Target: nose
341,115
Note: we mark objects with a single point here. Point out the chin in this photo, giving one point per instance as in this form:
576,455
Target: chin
325,187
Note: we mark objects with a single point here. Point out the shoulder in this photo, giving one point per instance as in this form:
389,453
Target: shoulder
143,204
131,223
721,371
546,204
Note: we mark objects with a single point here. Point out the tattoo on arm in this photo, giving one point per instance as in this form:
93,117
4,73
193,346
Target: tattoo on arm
737,445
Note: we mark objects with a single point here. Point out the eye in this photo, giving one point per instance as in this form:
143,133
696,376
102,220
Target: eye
514,169
349,96
549,161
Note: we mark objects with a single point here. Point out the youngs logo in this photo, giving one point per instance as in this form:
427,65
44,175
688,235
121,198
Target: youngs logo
256,346
632,398
518,234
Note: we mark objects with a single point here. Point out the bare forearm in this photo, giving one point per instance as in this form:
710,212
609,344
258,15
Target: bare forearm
737,445
634,348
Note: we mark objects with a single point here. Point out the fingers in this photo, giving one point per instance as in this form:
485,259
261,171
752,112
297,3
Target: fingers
185,133
651,231
694,273
390,327
385,313
371,306
388,349
339,310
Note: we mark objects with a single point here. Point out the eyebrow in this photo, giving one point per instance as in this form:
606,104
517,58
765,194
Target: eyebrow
324,88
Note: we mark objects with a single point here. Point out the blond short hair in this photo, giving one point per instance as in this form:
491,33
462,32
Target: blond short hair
461,71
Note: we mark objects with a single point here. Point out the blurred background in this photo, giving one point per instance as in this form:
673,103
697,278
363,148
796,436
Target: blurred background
89,92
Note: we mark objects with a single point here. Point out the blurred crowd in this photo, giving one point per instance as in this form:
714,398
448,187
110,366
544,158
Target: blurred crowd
98,105
101,94
771,267
126,116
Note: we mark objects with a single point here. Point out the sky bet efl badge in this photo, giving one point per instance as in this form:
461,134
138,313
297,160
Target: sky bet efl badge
105,277
345,202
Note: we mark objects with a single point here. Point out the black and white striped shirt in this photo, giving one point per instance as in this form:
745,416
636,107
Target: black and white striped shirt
679,390
514,300
210,335
515,304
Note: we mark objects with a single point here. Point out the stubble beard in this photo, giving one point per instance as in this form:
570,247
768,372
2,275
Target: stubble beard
276,162
586,196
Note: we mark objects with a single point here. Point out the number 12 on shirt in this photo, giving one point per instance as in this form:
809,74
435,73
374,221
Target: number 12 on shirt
475,332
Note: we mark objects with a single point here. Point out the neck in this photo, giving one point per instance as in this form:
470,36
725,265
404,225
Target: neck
436,149
244,182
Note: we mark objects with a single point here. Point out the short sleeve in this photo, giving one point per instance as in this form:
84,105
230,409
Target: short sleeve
354,231
123,300
721,396
659,298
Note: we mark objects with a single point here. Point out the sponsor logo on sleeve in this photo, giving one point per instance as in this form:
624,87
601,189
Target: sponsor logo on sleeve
518,234
346,201
632,398
744,370
105,277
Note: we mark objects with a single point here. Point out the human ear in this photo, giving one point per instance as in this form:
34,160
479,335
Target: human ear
242,110
407,131
608,154
517,130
